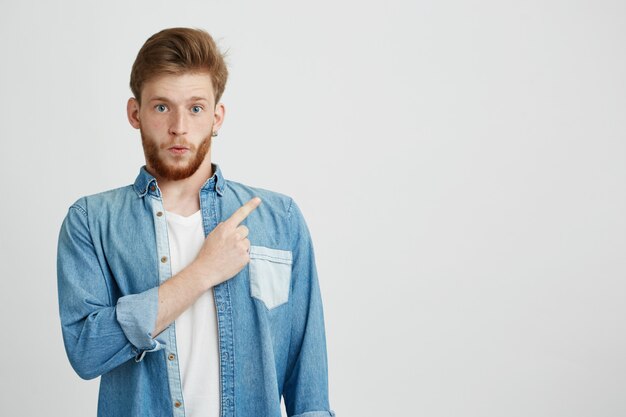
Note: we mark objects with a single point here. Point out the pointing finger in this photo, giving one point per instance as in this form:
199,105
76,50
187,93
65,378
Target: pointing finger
242,212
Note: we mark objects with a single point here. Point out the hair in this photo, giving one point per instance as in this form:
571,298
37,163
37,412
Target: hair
177,51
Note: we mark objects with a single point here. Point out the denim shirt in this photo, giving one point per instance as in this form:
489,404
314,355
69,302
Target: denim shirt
112,256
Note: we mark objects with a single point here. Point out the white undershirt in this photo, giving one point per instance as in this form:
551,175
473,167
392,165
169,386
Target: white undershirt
196,328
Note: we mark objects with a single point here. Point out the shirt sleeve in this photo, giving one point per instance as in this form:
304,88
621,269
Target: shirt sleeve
306,386
99,333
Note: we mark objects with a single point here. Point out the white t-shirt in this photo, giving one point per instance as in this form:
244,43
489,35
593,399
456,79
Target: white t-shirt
196,328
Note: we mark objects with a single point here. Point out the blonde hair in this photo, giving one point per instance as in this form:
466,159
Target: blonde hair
177,51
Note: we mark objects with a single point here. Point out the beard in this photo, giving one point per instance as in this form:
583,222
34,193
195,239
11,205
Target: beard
174,171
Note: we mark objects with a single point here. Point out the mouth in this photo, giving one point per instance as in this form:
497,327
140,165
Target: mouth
178,150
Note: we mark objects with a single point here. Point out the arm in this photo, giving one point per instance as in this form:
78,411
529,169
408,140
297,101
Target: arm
178,293
223,254
100,335
306,386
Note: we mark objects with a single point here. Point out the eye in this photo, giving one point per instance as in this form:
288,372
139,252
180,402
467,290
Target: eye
160,108
196,109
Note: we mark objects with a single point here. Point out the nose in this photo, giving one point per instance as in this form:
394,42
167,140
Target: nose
178,123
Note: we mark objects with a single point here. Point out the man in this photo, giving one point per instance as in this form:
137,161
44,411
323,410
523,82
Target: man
190,294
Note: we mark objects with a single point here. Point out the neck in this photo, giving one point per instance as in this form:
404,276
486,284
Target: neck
181,196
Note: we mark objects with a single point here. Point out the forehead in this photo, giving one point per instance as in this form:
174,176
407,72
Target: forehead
179,87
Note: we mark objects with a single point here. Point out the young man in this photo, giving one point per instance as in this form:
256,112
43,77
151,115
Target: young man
189,294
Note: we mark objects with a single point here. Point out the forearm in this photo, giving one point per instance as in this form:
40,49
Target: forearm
101,332
178,293
97,336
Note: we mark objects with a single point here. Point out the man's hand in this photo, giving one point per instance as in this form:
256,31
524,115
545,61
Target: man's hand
223,254
225,251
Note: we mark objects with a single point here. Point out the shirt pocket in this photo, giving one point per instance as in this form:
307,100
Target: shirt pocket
270,275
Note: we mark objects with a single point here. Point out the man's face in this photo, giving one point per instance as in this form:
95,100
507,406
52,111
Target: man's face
176,119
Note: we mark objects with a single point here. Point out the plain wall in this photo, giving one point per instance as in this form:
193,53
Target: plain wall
461,167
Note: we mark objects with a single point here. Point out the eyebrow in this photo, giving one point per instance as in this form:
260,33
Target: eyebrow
194,98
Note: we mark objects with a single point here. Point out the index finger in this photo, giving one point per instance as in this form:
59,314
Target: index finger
242,212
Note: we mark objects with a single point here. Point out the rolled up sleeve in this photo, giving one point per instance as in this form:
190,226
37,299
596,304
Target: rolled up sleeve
137,314
99,333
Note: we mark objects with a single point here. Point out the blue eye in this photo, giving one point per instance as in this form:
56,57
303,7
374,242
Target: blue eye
199,109
160,108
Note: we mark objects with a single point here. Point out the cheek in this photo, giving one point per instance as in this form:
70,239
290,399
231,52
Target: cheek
155,124
202,126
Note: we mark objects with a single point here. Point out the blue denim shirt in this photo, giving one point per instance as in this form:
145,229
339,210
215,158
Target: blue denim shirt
112,256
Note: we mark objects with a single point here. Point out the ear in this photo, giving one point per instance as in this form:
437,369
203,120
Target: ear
218,116
132,111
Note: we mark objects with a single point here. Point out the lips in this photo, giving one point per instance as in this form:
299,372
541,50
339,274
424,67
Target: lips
178,150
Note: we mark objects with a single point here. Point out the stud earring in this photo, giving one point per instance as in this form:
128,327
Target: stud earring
214,133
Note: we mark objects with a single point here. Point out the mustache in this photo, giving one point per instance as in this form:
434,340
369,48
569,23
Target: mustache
177,144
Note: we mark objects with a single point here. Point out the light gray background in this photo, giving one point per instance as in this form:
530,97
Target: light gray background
461,166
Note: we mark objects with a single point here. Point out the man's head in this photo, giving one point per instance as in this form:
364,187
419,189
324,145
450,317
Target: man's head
177,80
177,51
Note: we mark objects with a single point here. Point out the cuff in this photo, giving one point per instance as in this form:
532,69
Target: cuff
139,354
136,314
329,413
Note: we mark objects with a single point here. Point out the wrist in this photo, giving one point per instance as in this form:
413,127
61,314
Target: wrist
202,273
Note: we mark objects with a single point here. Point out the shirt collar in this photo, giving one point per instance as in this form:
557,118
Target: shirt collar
146,183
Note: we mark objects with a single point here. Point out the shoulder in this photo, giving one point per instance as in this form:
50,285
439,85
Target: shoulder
103,200
278,214
274,201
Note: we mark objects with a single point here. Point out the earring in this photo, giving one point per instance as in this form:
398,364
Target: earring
214,133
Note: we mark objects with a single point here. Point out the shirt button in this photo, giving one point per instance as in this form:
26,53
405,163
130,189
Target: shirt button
159,213
164,259
177,404
171,356
152,188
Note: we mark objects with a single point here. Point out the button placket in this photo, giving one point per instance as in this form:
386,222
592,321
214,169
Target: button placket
165,272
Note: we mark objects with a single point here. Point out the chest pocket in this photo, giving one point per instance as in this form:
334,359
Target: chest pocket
270,275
